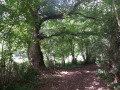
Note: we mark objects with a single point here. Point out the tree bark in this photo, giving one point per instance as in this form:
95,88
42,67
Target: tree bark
63,60
74,60
87,57
36,56
72,48
116,14
35,53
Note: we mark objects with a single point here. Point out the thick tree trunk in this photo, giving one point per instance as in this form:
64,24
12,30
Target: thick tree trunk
36,56
35,53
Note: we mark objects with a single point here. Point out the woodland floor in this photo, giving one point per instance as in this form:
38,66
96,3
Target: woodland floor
76,79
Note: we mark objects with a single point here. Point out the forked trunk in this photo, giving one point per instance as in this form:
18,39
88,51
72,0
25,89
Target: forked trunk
34,53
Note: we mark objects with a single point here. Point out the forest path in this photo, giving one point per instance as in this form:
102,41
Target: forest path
77,79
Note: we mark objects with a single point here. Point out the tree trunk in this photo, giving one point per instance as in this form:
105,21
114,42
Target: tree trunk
35,53
74,60
87,57
116,14
115,43
63,59
36,56
72,48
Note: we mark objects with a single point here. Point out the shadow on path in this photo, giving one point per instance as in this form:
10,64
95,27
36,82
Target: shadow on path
77,79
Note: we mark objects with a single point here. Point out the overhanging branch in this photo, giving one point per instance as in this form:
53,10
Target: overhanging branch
61,15
58,16
43,36
88,17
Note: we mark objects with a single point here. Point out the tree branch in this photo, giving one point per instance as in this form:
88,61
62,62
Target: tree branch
88,17
61,15
58,16
42,36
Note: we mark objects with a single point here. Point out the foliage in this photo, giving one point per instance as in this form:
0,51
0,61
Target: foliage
86,28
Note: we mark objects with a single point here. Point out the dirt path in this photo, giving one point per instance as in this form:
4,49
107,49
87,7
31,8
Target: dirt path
77,79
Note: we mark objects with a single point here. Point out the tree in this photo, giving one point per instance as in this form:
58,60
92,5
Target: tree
35,13
35,51
39,12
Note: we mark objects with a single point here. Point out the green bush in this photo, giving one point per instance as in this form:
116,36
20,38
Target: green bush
108,77
26,80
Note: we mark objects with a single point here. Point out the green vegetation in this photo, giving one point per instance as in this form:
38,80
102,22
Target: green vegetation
37,36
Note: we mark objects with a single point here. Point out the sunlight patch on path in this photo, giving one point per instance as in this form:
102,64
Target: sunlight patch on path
67,73
64,72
